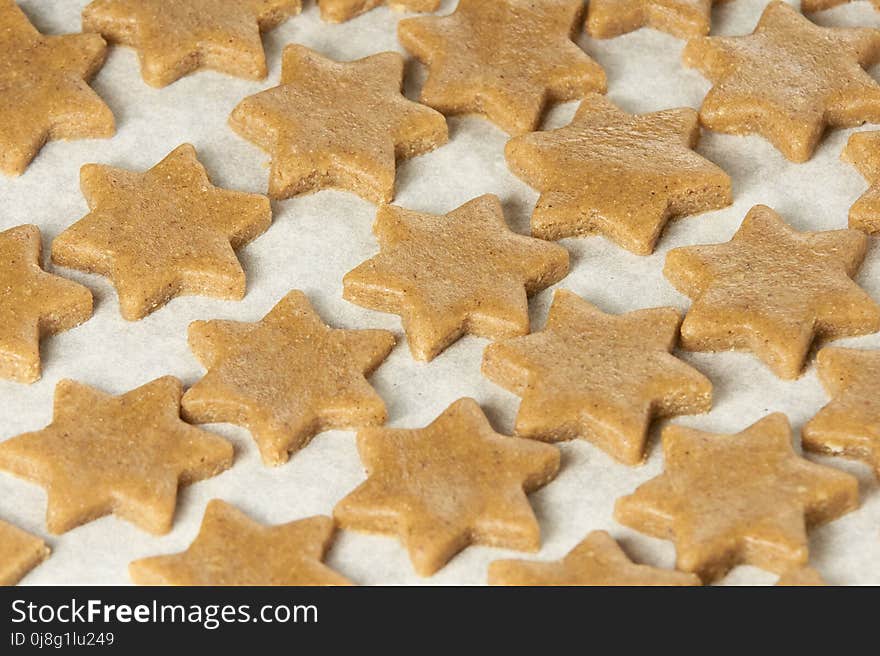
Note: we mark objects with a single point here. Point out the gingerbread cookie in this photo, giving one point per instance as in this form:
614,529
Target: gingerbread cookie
44,91
506,60
680,18
620,175
863,151
339,11
20,552
788,80
801,577
337,125
772,290
163,233
747,498
33,303
124,455
451,484
459,273
232,549
176,37
849,425
598,376
287,377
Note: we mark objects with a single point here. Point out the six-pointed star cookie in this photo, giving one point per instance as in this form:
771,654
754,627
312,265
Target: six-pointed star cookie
125,455
772,290
598,376
163,233
788,80
850,424
597,560
863,151
286,377
460,273
617,174
32,303
232,549
43,89
176,37
331,124
338,11
681,18
20,552
505,59
451,484
737,499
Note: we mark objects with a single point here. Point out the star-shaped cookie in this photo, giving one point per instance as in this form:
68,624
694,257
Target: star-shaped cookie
286,377
454,483
459,273
850,424
44,91
126,455
772,290
232,549
597,560
680,18
176,37
20,552
747,498
339,11
788,80
506,60
598,376
620,175
338,125
863,151
32,303
163,233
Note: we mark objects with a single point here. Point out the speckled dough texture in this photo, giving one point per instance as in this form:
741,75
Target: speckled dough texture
20,552
863,151
338,11
680,18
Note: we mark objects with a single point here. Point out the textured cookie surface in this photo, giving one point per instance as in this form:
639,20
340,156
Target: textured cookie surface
681,18
176,37
124,455
337,11
451,484
505,59
43,89
286,377
232,549
747,498
597,560
863,151
617,174
597,376
337,125
460,273
163,233
32,303
772,290
20,552
788,80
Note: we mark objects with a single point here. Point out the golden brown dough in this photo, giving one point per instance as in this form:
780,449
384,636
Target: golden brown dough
801,577
863,151
20,552
681,18
338,11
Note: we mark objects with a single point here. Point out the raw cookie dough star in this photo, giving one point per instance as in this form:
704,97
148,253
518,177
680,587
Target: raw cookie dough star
286,377
788,80
772,290
339,11
451,484
680,18
863,151
459,273
44,94
232,549
163,233
598,376
506,60
620,175
176,37
727,500
338,125
597,560
20,552
33,303
126,455
849,425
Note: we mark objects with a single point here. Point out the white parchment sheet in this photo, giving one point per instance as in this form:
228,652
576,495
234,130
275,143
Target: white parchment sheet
316,239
